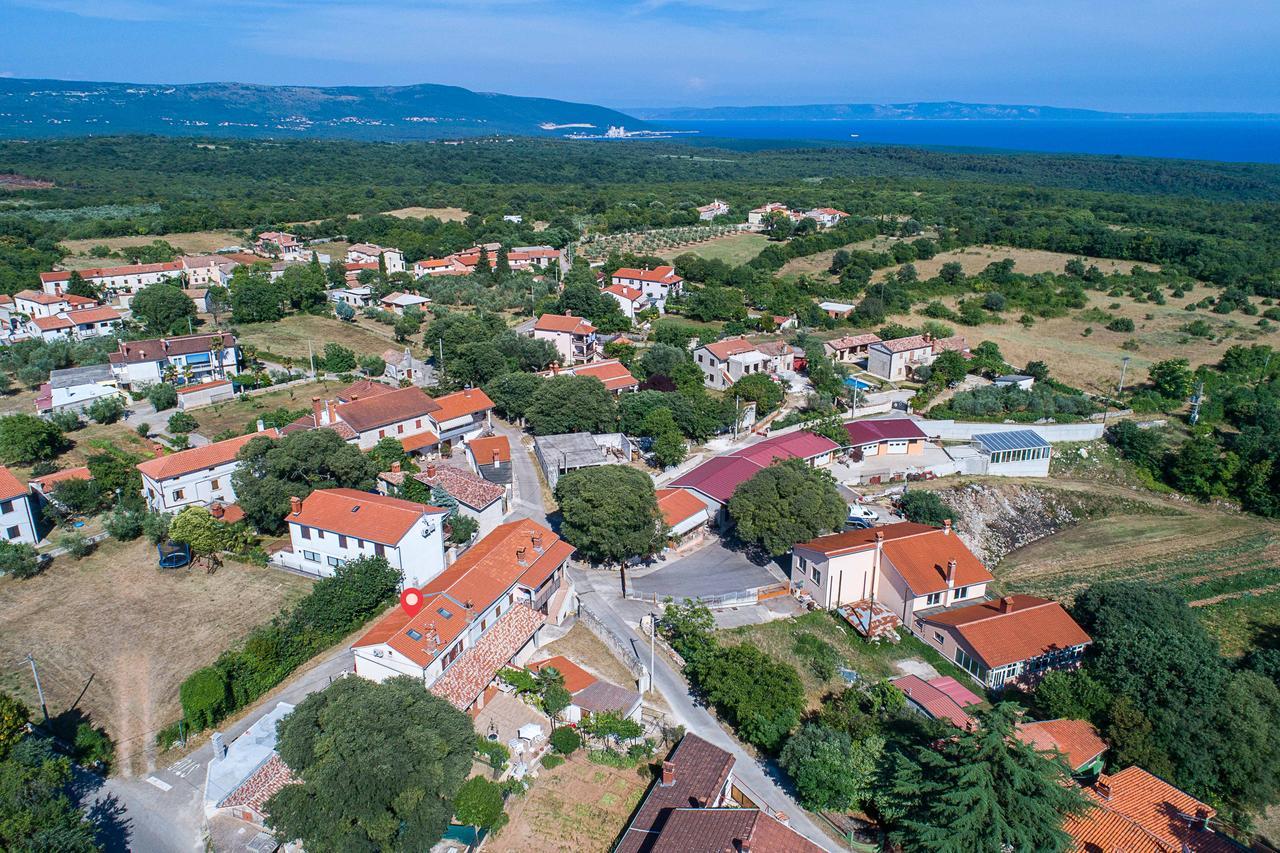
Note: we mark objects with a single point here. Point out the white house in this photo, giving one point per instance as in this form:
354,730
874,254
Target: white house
711,211
573,337
17,522
203,271
356,297
81,324
334,526
129,278
195,477
462,416
36,304
588,694
826,217
398,301
757,216
657,284
76,388
726,361
631,300
368,253
484,502
403,366
273,244
482,614
182,359
898,359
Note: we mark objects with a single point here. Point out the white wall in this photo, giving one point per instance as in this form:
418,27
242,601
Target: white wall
418,558
17,513
199,488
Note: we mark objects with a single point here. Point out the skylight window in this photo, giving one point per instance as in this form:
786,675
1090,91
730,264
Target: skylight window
414,635
445,613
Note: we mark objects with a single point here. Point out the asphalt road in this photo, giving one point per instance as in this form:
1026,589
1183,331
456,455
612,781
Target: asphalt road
714,569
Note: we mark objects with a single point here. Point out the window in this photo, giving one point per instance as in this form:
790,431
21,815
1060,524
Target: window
342,541
214,484
962,592
379,549
817,575
399,428
6,506
334,562
933,598
177,494
12,533
311,555
304,531
939,638
417,424
382,433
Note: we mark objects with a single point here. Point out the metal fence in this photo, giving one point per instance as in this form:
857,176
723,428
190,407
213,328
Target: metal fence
737,598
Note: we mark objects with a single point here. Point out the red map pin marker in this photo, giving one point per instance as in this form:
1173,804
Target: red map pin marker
411,601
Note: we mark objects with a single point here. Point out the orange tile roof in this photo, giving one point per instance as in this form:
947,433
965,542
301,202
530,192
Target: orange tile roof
107,272
1142,812
905,344
563,323
1077,740
658,275
476,667
729,346
361,515
10,486
922,561
613,373
678,505
203,386
419,441
93,315
459,404
935,702
363,388
852,341
1030,627
484,448
48,481
39,297
369,413
630,294
199,458
575,677
838,544
50,324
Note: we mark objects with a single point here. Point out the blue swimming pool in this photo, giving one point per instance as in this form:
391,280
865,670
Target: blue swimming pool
858,384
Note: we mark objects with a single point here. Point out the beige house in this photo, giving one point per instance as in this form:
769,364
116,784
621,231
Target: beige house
573,337
898,360
725,362
849,348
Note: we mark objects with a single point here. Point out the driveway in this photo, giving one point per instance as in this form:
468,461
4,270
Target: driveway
714,569
528,484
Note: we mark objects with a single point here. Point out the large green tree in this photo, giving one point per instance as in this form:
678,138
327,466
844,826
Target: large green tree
760,697
274,470
610,513
36,811
163,309
571,404
787,503
983,791
27,438
379,764
760,389
830,770
513,394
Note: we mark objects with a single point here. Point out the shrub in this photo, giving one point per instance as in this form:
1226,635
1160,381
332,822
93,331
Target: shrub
106,410
552,761
566,740
19,560
205,696
75,544
925,508
92,746
162,396
1121,324
181,422
144,429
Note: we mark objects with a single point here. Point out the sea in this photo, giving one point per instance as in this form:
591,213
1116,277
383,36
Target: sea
1242,141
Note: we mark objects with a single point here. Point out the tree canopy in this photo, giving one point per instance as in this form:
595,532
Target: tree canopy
610,513
163,309
787,503
571,404
276,469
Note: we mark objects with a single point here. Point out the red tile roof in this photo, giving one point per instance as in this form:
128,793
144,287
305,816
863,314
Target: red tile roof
883,429
1143,812
484,448
852,341
363,389
199,458
563,323
260,785
48,481
722,349
1077,740
10,486
203,386
575,677
677,505
905,344
460,404
693,830
154,349
476,667
849,541
101,314
1029,628
109,272
657,275
701,770
471,489
922,561
795,445
52,324
613,373
720,477
630,294
403,404
361,515
419,441
935,702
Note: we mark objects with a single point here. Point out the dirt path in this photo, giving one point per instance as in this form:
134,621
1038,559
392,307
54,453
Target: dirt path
1228,596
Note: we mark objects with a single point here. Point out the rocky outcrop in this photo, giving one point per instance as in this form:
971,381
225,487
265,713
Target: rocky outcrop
996,520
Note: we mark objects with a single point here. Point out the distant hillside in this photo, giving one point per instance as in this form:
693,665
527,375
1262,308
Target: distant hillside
41,108
940,110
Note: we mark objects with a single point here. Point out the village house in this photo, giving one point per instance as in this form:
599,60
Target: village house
907,568
17,519
43,488
1015,639
205,271
613,373
885,437
1133,810
631,300
200,298
372,411
483,613
657,284
197,395
398,301
465,262
1076,741
79,325
279,244
478,499
686,515
849,348
129,278
490,457
244,774
697,804
357,296
836,310
448,265
897,360
333,526
369,253
35,304
560,454
826,217
462,416
573,337
757,216
726,361
707,212
195,477
402,366
74,389
180,360
590,695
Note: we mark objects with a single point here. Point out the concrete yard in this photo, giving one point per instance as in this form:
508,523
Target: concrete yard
713,569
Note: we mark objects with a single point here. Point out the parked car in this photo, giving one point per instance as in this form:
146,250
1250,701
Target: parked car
864,512
858,524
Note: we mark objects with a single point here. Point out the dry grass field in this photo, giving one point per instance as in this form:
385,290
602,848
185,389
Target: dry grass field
974,259
588,651
191,242
114,636
238,414
821,262
444,214
578,807
95,438
734,249
289,337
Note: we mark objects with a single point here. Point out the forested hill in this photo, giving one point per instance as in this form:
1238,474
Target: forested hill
916,111
44,108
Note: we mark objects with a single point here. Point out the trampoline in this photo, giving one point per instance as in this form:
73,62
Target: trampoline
174,555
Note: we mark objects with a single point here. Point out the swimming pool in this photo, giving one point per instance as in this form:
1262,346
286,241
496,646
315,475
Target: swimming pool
858,384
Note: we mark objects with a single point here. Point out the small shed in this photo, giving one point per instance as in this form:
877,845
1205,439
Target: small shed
1014,453
1014,380
202,394
560,454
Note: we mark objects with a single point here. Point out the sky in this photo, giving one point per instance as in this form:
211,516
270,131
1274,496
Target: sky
1123,55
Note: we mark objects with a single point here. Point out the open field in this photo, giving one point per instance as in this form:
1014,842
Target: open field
289,337
444,214
821,262
1092,362
113,636
1225,563
94,438
872,661
18,401
237,414
974,259
578,807
734,249
191,242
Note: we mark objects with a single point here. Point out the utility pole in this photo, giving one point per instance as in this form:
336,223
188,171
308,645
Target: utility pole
311,355
39,690
1124,365
440,356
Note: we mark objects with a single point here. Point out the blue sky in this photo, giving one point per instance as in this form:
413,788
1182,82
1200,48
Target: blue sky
1102,54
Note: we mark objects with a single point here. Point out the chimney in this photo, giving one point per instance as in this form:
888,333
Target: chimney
1006,604
431,470
261,425
520,555
317,409
951,574
875,566
331,416
668,774
354,397
1103,786
467,392
395,467
555,368
781,817
295,505
216,510
946,527
497,459
536,540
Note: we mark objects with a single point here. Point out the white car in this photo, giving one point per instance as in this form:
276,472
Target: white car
862,513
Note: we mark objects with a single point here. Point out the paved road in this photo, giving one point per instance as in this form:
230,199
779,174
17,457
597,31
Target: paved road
528,502
714,569
167,815
597,591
